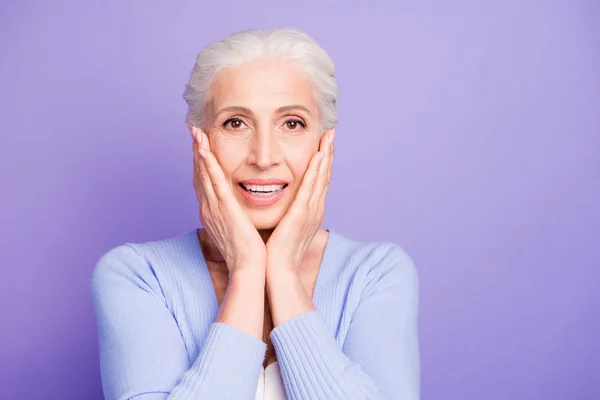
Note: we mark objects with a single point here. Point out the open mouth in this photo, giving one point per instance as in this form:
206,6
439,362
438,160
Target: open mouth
263,190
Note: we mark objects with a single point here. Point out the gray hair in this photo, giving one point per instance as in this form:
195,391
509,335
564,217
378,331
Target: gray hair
255,44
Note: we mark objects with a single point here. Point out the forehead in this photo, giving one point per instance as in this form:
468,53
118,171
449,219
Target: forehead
262,86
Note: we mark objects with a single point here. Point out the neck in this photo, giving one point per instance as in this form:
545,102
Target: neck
265,234
211,251
215,259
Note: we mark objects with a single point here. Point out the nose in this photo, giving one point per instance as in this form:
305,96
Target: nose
265,152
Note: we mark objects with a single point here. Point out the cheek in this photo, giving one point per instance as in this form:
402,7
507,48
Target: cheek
229,153
298,156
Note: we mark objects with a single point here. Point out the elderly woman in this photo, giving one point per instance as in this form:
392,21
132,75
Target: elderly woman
262,302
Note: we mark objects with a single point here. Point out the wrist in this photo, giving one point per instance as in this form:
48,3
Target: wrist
281,274
287,295
248,264
279,265
248,272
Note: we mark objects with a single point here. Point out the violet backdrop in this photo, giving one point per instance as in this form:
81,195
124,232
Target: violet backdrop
469,133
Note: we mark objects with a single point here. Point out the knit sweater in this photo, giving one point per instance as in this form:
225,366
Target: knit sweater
156,307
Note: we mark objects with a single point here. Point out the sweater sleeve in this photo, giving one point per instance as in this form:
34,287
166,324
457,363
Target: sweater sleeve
142,353
380,355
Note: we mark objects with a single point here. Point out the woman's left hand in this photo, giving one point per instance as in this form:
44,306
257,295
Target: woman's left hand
295,232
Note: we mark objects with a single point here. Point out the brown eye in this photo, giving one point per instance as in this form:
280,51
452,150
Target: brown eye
234,123
294,124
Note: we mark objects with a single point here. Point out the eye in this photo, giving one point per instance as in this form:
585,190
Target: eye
294,124
234,123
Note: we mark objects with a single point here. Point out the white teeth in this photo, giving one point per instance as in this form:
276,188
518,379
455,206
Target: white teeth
263,190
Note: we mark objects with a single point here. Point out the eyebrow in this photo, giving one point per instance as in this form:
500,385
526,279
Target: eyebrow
280,110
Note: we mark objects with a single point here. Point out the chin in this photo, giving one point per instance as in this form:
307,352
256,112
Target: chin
265,222
268,217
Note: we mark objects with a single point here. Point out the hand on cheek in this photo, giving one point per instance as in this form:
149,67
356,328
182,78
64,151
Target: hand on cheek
295,232
220,213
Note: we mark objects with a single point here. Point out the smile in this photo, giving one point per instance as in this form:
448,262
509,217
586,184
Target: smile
262,194
263,190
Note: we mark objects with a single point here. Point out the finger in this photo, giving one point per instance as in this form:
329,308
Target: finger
210,163
322,184
324,147
331,158
327,179
203,150
219,185
310,177
192,130
196,156
203,140
201,168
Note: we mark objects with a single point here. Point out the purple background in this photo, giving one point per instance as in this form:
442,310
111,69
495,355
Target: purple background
468,133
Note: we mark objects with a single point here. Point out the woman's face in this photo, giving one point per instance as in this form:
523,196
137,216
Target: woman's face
263,125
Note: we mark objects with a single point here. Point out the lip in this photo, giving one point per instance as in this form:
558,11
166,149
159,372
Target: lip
263,182
262,200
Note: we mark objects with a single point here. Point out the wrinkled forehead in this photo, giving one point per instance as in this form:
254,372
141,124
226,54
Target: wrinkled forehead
262,86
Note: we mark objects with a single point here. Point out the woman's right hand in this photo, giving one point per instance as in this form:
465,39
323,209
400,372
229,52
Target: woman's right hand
220,213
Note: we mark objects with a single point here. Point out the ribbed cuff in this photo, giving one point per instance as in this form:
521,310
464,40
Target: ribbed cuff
229,355
311,361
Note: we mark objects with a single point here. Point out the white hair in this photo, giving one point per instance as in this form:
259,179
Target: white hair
255,44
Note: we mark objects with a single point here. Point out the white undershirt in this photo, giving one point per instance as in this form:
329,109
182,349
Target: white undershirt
270,384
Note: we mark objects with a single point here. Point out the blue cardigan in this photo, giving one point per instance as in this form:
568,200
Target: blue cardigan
156,309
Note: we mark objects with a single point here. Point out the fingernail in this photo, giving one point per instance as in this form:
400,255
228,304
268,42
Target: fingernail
320,156
202,153
331,136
